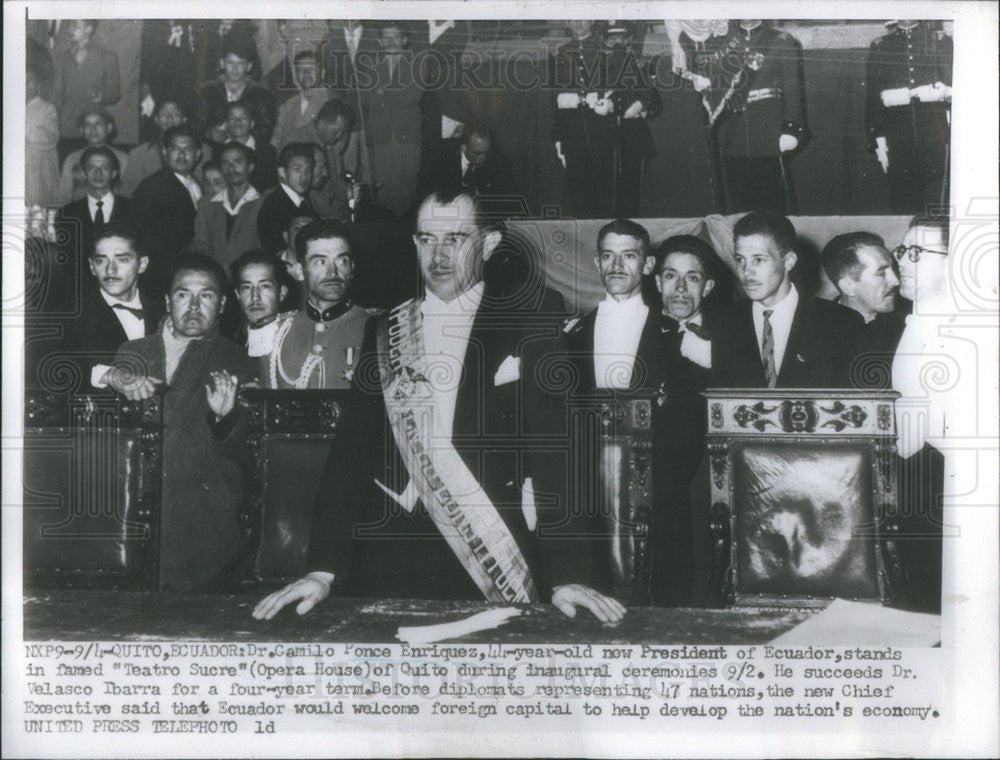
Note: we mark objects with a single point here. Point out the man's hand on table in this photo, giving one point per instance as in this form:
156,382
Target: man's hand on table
568,598
308,592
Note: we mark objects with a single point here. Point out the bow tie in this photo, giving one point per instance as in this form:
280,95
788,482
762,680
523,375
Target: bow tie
137,313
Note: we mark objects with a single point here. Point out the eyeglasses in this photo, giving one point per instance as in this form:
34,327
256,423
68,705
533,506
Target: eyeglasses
912,252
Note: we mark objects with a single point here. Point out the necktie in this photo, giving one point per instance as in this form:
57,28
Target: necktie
99,215
137,313
767,351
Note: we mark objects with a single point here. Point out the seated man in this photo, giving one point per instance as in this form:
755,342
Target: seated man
118,310
289,198
778,338
234,85
226,224
239,125
98,128
417,500
202,482
865,275
685,266
320,345
258,278
471,161
288,254
99,207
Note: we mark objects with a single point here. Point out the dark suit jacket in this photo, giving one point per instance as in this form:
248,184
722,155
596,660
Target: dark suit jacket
445,170
392,108
212,109
503,433
877,348
163,213
202,482
81,227
95,336
276,211
822,345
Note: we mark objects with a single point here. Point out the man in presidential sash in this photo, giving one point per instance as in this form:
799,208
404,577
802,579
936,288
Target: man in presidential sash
449,478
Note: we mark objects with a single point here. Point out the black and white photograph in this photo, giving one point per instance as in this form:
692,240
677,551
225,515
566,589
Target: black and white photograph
559,380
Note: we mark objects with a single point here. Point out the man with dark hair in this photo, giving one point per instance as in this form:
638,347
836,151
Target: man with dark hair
146,158
470,161
618,342
417,500
320,345
226,224
259,280
234,85
778,338
98,128
684,273
295,170
864,273
350,44
202,482
100,207
239,124
301,109
165,204
117,310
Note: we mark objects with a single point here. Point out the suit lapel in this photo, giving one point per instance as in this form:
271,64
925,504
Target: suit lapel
647,369
797,346
750,348
471,390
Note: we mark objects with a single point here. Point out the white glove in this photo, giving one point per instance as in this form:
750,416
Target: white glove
932,93
787,143
882,153
604,106
697,350
567,100
897,97
591,100
559,154
635,111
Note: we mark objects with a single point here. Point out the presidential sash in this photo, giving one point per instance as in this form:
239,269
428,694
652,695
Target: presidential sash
454,498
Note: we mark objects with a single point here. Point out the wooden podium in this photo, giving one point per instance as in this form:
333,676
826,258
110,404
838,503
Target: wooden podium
803,486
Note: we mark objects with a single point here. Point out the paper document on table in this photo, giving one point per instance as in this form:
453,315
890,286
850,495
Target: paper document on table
483,621
865,624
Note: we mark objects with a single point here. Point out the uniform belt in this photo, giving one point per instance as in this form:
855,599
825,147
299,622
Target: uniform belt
765,94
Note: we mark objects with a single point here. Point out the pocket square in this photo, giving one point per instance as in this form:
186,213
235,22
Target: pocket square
510,370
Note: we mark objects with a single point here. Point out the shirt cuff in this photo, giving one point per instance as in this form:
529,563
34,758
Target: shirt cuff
97,373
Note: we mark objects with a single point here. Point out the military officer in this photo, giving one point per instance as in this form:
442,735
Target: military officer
758,101
908,113
318,346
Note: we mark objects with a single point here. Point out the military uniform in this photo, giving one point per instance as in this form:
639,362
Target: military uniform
314,349
757,82
917,133
584,72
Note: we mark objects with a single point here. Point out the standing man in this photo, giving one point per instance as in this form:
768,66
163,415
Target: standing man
319,346
202,482
779,338
417,499
226,224
101,206
300,110
684,278
234,85
864,273
618,344
166,202
470,161
760,108
118,310
239,128
908,113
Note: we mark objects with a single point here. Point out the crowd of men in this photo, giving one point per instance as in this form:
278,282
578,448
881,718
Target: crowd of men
227,252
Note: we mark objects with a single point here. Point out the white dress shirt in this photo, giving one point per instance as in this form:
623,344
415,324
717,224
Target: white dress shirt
617,330
446,329
352,38
134,328
193,188
293,196
781,325
108,205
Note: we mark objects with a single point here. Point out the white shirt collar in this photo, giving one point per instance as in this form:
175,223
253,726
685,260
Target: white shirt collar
466,303
294,196
194,190
109,203
110,300
784,308
465,162
782,316
250,142
223,197
630,305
